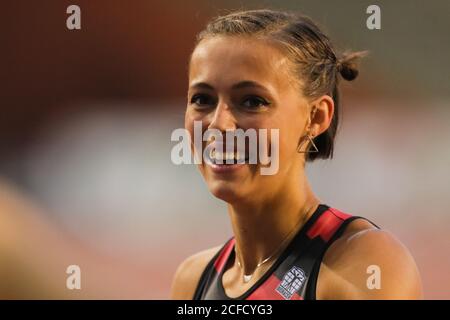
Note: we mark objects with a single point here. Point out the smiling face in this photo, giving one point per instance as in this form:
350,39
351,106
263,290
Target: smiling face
238,82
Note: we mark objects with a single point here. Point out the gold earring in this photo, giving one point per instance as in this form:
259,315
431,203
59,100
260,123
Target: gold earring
309,137
308,149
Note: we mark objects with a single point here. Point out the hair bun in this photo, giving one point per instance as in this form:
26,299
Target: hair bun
347,64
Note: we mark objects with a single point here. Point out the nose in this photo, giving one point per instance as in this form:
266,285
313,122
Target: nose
223,118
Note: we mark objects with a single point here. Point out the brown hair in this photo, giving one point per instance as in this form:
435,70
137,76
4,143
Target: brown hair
315,61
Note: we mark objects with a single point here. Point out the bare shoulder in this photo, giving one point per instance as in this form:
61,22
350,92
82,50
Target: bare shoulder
189,272
368,263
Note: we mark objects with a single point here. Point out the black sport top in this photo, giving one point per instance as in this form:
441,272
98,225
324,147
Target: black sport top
293,276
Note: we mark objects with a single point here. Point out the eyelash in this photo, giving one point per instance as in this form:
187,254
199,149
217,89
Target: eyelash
195,97
261,102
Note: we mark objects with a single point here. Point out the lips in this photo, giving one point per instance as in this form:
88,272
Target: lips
227,158
224,162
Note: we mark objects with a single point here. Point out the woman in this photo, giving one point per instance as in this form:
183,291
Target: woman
265,69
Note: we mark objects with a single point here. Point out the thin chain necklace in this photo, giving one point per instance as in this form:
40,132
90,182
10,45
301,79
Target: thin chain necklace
248,277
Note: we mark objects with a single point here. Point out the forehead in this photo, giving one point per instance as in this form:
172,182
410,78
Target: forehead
223,59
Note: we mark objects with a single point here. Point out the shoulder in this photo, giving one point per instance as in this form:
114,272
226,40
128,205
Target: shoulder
188,273
368,263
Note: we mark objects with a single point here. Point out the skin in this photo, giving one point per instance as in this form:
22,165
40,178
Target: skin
275,203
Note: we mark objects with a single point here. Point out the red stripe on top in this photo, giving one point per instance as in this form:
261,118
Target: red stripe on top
223,256
267,291
327,224
340,214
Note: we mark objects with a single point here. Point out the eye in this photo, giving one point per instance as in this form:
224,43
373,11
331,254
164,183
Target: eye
202,100
254,102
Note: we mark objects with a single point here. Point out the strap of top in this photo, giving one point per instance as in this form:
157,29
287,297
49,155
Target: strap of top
209,270
308,253
310,293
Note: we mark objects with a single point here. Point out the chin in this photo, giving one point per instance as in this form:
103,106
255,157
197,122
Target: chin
226,191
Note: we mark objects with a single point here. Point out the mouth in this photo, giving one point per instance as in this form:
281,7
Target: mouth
225,162
227,158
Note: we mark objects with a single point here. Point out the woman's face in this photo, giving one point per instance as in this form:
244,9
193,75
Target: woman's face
244,83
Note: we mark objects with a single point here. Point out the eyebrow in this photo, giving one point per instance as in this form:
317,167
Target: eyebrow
239,85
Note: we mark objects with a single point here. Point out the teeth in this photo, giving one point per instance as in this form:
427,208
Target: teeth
224,156
240,156
217,155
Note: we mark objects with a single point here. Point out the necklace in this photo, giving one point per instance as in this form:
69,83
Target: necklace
248,277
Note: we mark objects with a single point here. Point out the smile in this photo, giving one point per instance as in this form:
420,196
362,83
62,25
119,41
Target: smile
227,158
255,152
225,162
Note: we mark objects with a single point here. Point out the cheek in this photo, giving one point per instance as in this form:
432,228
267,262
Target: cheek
189,126
286,147
192,116
289,139
289,131
189,122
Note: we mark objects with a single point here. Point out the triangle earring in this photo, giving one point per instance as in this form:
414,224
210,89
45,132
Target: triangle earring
311,149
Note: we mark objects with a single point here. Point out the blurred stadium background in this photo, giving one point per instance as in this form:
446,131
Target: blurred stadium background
85,123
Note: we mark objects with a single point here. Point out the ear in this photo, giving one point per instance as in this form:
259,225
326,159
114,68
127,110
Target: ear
321,114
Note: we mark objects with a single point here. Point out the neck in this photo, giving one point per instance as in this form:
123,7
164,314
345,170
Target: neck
264,227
